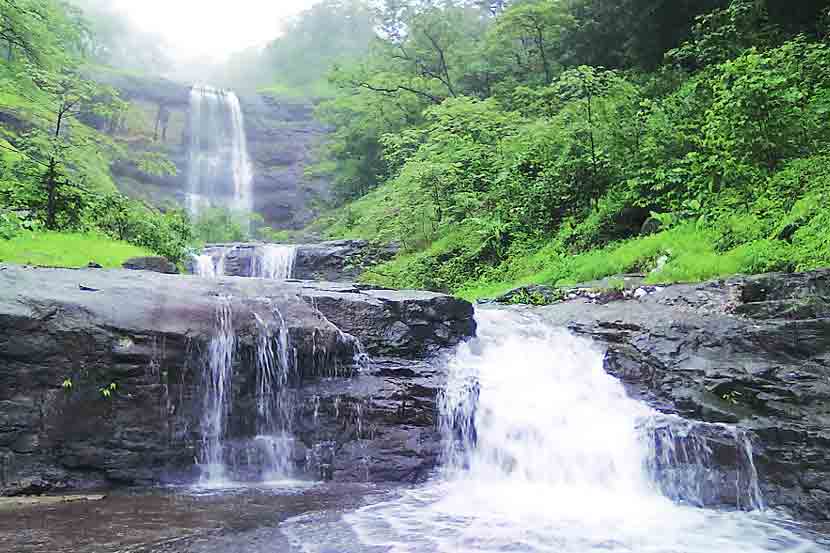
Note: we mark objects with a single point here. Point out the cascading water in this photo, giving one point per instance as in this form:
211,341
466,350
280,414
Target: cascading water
203,266
209,266
220,173
275,262
274,399
546,452
264,457
217,376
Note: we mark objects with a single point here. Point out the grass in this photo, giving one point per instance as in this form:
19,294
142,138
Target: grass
54,249
688,255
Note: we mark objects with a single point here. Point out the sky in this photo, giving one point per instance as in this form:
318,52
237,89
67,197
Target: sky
211,28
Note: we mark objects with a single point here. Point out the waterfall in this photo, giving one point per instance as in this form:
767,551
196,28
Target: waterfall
544,451
274,399
220,173
216,378
205,267
210,266
265,456
275,262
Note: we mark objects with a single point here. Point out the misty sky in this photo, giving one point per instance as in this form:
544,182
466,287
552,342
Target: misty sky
214,28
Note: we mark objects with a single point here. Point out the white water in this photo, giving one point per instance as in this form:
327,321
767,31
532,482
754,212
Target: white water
275,262
274,399
546,452
265,457
220,172
217,377
204,266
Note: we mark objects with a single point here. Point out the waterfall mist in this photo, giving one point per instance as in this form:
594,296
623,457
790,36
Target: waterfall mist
220,173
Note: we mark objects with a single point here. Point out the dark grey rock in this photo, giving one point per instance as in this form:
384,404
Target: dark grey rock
155,264
341,260
283,140
147,332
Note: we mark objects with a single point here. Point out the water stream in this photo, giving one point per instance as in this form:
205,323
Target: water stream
275,262
265,456
544,451
270,261
217,385
220,172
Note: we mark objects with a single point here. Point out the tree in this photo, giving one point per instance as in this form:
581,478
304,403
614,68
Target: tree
529,34
71,95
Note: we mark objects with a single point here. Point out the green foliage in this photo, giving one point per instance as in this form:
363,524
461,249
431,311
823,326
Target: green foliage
218,225
55,168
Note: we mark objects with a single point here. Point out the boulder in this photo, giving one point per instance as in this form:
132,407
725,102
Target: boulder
750,351
67,336
154,264
340,260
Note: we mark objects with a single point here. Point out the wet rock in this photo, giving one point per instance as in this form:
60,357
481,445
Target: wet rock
335,261
154,264
147,333
750,351
394,323
283,140
532,295
340,261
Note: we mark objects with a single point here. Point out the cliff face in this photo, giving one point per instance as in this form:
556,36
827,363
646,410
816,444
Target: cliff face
283,140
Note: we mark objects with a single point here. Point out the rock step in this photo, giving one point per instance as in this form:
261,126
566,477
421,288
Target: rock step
65,335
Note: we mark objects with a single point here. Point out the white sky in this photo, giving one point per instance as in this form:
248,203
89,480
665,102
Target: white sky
211,28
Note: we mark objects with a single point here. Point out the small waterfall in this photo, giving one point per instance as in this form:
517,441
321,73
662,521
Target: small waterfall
220,171
692,462
205,267
217,380
210,266
544,451
275,262
274,399
583,435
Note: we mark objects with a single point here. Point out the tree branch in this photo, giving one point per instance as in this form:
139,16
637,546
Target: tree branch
398,88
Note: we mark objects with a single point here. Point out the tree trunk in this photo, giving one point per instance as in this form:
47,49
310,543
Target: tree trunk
51,188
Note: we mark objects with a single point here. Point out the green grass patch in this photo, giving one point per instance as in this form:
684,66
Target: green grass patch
54,249
684,254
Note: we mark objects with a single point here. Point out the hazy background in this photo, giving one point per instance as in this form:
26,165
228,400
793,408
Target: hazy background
210,29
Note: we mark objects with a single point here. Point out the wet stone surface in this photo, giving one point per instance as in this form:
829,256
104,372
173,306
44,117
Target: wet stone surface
174,521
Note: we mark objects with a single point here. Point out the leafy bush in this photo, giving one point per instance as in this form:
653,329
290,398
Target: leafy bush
218,225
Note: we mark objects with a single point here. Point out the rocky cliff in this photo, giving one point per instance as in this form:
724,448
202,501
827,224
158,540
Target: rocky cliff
283,140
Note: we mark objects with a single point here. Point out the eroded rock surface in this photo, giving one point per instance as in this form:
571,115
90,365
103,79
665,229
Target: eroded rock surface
67,336
749,351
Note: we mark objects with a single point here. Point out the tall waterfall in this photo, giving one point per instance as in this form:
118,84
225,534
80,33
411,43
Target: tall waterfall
546,452
220,173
